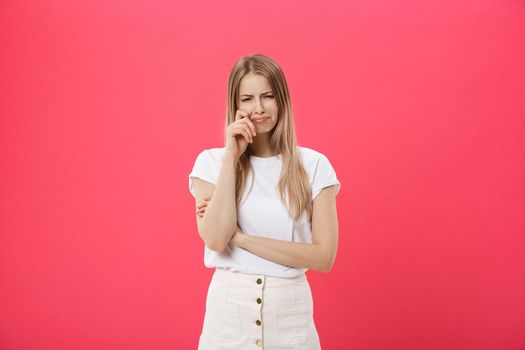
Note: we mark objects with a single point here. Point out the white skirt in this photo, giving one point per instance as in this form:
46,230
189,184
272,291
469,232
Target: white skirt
245,311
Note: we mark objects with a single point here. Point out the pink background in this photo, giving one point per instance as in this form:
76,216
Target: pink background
419,105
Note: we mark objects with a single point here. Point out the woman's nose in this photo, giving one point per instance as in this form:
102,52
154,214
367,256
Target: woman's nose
259,106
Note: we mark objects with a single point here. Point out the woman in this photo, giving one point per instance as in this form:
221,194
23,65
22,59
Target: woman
266,211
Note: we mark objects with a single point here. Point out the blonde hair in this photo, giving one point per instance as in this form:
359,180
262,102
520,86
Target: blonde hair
293,185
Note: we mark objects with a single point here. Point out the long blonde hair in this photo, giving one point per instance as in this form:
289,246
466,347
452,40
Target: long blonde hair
293,183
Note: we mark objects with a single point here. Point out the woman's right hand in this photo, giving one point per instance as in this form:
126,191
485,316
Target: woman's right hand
239,134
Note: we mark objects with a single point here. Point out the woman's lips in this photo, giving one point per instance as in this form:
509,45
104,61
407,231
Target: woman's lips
260,120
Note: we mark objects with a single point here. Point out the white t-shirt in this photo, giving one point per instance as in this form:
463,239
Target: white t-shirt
262,213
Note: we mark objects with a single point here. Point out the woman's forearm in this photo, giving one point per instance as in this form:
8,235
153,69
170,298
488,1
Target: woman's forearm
293,254
220,219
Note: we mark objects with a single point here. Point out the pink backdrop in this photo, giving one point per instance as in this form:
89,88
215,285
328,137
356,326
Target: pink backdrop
419,105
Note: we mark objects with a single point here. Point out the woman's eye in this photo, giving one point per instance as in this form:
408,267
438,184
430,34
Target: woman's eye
247,99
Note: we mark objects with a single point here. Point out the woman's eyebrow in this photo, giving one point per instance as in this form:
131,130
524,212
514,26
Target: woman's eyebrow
266,92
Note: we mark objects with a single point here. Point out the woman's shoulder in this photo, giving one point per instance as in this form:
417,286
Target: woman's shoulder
217,153
309,155
321,170
214,153
314,160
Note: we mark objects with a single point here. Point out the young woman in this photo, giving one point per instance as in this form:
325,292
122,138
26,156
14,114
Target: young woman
266,211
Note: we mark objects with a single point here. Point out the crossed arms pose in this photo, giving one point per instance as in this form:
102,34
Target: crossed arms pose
217,214
318,255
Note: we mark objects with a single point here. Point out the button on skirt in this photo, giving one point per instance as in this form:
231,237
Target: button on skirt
245,311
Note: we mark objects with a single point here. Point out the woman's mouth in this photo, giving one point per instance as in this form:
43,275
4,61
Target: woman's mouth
260,120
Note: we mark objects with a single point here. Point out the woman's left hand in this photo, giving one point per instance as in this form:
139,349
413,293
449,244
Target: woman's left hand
201,208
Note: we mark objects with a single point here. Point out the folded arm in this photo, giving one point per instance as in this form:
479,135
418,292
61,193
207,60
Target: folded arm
293,254
318,255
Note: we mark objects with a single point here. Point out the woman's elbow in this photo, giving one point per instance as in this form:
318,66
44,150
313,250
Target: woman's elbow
216,246
327,264
214,239
213,244
210,242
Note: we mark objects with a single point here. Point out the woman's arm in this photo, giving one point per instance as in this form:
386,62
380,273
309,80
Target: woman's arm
294,254
218,224
318,255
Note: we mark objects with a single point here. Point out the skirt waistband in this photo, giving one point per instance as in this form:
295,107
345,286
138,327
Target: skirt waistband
239,278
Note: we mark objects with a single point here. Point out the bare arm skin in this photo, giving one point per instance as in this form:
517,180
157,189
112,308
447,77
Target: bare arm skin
318,255
220,222
218,225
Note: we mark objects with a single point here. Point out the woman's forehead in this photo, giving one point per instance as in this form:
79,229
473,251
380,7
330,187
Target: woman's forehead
254,83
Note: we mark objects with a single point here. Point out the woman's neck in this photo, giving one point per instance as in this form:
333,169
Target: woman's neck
261,146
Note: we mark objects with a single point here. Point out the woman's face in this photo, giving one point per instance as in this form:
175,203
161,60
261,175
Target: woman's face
257,98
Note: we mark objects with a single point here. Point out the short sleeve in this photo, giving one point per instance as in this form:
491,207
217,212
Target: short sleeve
324,176
202,169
